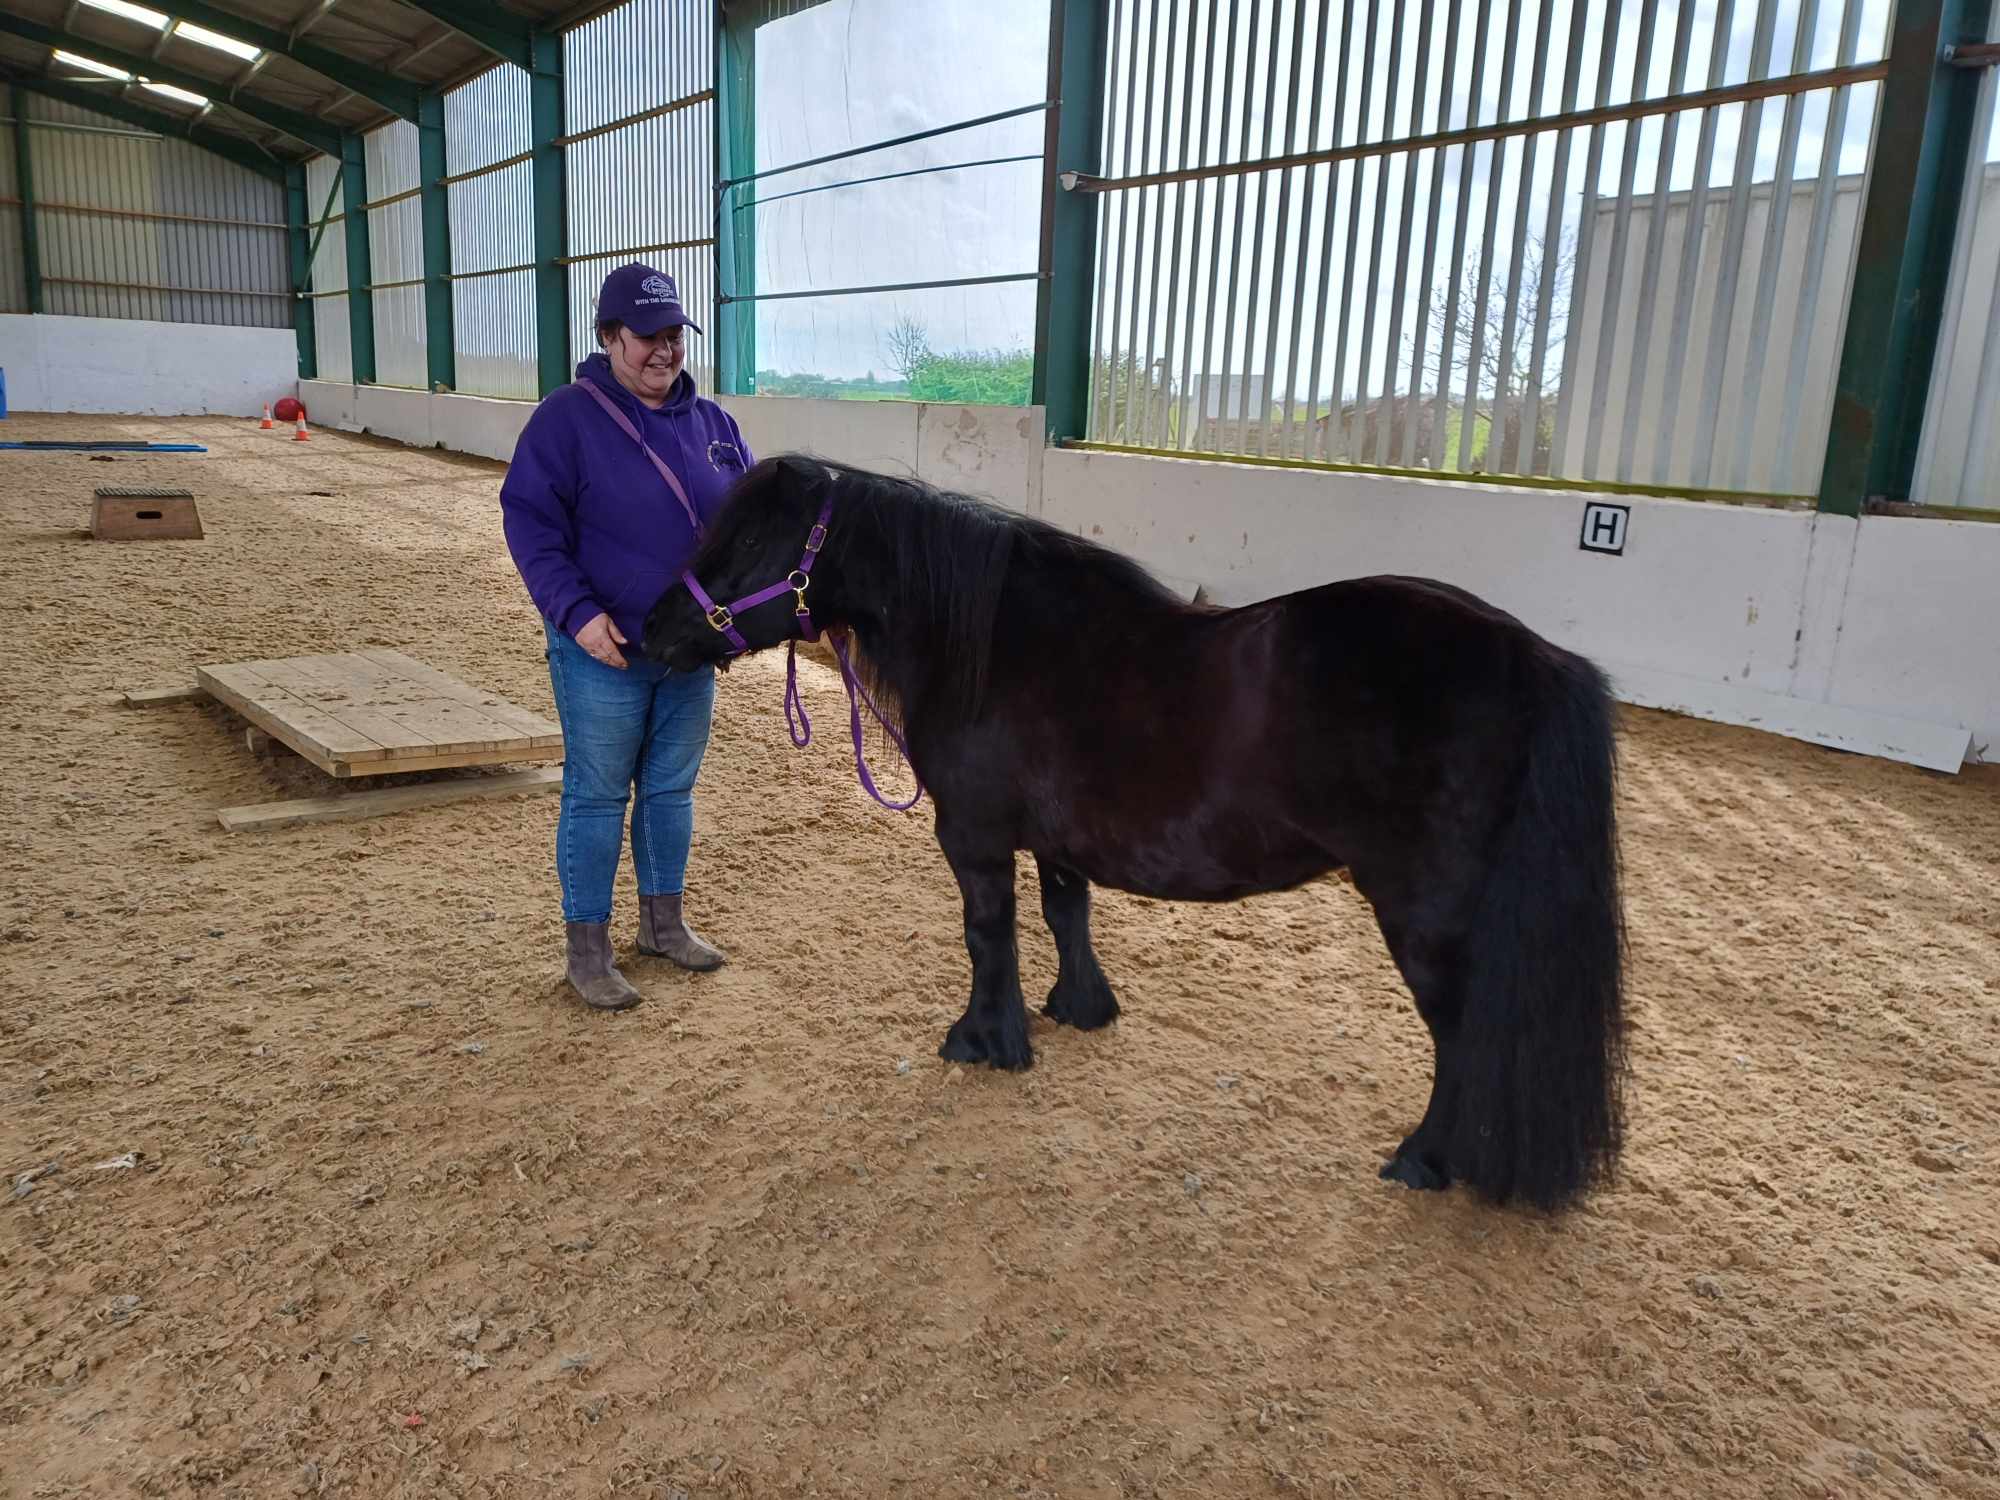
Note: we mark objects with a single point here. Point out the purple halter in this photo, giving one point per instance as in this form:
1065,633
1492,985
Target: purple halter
722,617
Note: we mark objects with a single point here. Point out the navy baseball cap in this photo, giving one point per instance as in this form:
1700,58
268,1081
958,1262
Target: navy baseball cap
643,299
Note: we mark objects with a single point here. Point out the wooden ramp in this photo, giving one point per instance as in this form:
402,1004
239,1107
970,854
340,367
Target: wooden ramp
121,514
378,712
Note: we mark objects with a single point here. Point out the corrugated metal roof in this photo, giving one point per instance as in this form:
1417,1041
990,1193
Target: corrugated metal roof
381,35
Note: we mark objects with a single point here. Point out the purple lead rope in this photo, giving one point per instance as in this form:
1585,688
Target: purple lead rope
857,694
854,686
800,728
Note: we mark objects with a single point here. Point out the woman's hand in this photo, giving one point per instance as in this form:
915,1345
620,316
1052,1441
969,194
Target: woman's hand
602,639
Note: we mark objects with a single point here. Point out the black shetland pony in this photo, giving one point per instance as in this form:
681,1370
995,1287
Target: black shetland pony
1057,699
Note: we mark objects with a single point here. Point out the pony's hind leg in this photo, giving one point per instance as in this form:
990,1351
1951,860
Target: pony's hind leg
1081,996
994,1028
1436,983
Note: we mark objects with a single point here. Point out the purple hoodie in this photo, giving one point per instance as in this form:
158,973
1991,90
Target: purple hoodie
589,522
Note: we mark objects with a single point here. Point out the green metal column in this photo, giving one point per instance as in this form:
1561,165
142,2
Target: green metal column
31,242
440,338
545,97
360,301
1923,137
735,233
296,211
1072,143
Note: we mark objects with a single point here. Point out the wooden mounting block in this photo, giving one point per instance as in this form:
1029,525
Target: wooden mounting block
119,514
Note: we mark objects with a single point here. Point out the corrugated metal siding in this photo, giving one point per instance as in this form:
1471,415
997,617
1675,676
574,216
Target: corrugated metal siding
1958,459
652,183
1760,455
218,272
492,225
644,54
13,268
648,184
396,253
329,273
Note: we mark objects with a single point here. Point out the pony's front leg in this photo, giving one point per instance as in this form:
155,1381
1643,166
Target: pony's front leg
994,1028
1082,995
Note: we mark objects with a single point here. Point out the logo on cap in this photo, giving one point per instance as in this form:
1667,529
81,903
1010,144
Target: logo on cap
660,287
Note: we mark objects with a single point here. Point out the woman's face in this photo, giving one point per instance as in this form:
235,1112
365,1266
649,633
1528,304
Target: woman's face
647,367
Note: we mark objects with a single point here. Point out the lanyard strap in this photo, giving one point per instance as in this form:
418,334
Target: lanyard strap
673,482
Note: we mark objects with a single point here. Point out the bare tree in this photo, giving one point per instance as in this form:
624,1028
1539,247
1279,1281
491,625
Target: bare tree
1478,330
909,344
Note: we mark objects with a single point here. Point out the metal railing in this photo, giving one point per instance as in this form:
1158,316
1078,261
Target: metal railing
1547,241
1593,241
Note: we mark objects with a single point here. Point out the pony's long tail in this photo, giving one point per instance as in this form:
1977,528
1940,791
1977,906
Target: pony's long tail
1542,1054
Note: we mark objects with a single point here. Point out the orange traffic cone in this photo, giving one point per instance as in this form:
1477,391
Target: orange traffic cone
265,425
302,436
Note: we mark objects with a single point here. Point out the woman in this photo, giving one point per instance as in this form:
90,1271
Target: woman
600,509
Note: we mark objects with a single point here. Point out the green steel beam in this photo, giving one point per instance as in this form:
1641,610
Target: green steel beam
302,127
301,257
735,234
506,36
1923,138
143,117
539,53
360,301
1072,143
392,94
545,122
31,243
440,340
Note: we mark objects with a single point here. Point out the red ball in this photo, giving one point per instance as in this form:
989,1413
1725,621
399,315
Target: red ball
288,409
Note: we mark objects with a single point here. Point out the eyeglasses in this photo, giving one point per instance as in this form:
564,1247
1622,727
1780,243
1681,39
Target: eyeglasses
671,337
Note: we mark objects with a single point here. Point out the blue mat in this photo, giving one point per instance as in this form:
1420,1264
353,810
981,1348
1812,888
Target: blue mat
105,447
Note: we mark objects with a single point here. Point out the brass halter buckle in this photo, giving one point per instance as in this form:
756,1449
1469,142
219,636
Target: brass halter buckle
720,619
816,538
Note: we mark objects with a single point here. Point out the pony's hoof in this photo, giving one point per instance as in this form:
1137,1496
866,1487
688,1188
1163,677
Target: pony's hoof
1414,1172
1086,1007
973,1044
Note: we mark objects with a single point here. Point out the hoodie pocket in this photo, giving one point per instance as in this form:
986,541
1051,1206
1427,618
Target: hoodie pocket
643,592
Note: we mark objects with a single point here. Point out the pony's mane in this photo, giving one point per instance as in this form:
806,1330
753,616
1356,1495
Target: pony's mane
948,556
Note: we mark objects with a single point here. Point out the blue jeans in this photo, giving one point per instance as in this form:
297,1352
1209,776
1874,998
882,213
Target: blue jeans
644,726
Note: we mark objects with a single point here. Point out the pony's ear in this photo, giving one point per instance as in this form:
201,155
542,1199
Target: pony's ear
804,475
802,471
